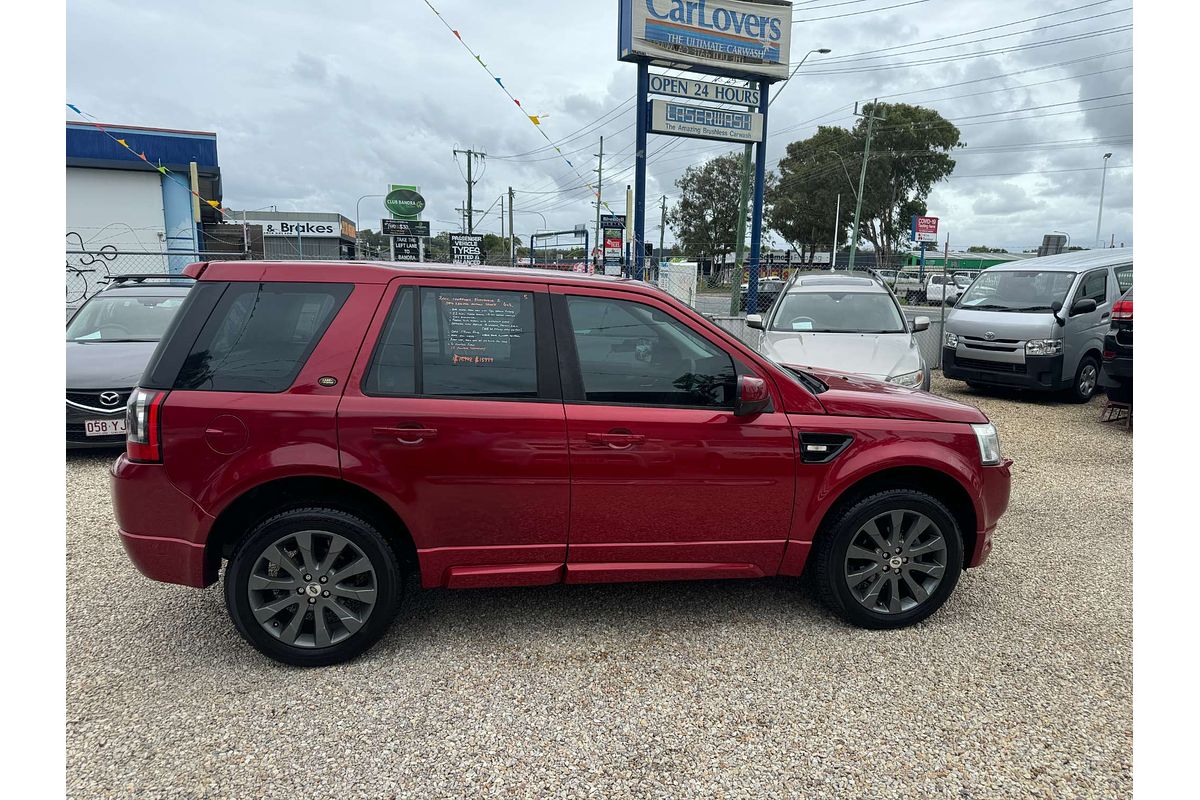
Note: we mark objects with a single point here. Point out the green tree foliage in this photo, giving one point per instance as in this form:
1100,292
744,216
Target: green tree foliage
981,248
910,152
704,219
373,245
804,217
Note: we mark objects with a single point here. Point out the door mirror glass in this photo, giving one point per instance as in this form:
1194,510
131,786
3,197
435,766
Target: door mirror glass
1085,306
920,324
752,396
754,321
1056,306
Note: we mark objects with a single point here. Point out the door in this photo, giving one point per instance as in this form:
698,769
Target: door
1085,332
666,482
454,416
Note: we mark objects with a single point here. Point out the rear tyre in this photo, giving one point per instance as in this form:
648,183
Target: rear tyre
1122,392
313,586
1087,378
889,560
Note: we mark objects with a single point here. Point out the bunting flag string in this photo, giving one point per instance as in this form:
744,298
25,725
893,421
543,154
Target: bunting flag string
534,119
91,120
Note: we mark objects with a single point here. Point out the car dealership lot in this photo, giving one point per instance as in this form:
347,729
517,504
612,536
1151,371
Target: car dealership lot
1019,686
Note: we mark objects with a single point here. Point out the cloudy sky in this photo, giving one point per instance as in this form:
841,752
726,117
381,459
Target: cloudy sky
318,103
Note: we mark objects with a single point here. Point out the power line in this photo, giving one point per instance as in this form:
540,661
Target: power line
858,13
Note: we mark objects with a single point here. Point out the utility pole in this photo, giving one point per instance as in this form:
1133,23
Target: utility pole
862,175
662,230
837,218
629,256
512,232
599,196
470,154
1100,213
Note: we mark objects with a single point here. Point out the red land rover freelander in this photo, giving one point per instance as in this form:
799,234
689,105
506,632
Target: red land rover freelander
326,427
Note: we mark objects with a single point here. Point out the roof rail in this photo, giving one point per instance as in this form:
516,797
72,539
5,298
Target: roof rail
142,278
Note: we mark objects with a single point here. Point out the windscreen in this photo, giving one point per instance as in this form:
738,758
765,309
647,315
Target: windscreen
1021,290
838,312
123,318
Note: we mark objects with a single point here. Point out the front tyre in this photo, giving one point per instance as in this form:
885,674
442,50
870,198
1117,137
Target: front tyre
313,586
1087,378
889,560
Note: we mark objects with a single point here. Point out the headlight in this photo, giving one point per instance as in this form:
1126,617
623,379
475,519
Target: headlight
912,380
1043,347
989,443
950,340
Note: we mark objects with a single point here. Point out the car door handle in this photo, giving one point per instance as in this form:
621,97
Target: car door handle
413,434
615,440
1104,315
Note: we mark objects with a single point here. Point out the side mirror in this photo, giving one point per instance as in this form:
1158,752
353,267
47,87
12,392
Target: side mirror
920,324
1085,306
752,396
754,321
1056,306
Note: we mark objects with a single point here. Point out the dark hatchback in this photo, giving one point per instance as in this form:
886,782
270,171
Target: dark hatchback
109,341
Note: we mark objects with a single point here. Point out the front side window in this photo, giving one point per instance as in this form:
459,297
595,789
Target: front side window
1094,286
838,312
1018,290
123,318
260,335
631,353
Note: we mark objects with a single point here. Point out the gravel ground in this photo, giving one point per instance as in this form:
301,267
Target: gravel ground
1019,687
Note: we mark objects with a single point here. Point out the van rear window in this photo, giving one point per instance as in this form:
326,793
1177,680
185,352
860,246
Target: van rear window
260,335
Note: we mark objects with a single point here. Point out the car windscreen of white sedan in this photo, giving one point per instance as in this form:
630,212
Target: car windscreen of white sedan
854,330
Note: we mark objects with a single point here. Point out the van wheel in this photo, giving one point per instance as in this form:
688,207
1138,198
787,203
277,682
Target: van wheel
1087,376
313,586
889,560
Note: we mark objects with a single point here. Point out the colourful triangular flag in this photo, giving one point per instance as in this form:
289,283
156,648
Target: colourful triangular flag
123,143
75,109
533,118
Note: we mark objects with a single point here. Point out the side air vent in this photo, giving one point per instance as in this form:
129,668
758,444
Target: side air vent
821,448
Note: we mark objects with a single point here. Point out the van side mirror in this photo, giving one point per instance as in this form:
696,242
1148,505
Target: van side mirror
752,396
754,321
1085,306
920,324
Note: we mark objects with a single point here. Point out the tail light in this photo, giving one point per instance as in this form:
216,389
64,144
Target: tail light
1123,309
143,438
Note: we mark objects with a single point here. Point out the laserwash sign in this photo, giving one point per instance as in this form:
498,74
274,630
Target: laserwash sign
705,122
722,37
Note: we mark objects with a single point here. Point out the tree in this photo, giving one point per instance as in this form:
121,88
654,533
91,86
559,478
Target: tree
909,154
802,199
980,248
373,245
704,220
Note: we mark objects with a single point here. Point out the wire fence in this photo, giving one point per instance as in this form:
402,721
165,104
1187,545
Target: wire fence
89,271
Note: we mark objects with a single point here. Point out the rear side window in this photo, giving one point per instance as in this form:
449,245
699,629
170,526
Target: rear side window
1124,277
260,335
475,343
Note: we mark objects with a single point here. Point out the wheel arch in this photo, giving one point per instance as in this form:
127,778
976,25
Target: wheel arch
939,484
269,498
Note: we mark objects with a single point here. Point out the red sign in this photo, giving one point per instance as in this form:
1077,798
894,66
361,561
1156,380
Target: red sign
927,229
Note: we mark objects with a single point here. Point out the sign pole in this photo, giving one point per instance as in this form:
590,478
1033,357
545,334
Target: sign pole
756,220
639,180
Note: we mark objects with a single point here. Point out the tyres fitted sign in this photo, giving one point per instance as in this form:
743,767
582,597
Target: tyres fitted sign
466,248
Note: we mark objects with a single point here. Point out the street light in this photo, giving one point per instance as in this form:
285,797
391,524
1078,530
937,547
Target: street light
744,199
1100,213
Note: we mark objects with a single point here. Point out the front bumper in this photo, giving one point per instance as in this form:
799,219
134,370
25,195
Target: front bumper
1038,372
995,488
163,531
78,440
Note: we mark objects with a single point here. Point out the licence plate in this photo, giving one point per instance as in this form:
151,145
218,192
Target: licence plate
104,427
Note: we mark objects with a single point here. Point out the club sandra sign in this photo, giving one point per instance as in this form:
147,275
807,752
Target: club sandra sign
724,37
404,203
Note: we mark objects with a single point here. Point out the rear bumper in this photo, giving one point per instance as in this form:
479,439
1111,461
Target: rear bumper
1038,372
993,502
163,532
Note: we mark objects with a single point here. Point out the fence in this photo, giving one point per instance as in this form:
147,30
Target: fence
89,271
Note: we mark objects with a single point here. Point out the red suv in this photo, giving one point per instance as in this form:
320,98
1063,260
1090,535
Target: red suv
323,427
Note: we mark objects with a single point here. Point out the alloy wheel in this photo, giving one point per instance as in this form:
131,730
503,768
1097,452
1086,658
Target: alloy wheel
1087,380
312,589
895,561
